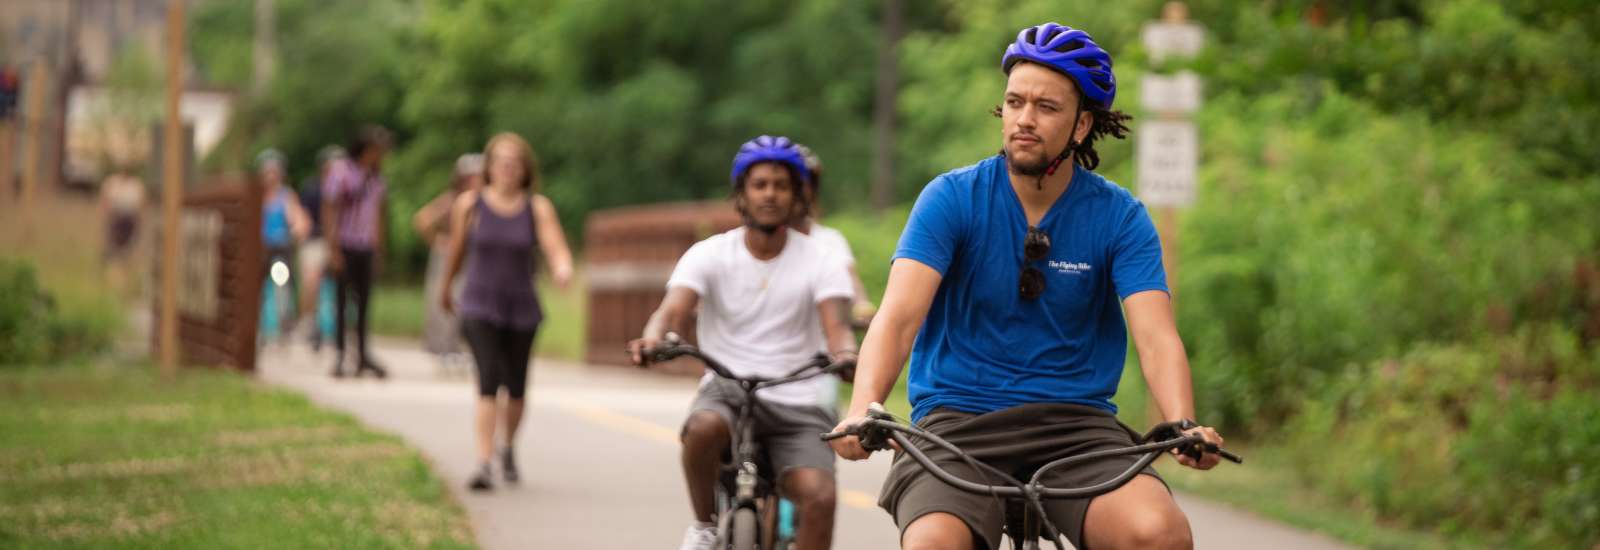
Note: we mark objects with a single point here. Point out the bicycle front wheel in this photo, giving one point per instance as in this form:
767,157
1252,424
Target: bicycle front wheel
744,530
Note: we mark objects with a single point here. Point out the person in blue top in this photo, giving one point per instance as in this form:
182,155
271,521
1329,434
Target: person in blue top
283,221
1008,291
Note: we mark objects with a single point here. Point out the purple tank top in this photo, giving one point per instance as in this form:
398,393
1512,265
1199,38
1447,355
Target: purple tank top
499,286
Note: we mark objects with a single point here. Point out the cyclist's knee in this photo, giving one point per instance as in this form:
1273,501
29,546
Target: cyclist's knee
705,429
937,531
1167,530
810,488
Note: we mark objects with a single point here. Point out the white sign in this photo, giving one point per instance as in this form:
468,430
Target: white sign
1176,94
1179,40
1169,155
198,270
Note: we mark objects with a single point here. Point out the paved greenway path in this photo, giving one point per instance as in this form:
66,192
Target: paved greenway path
599,453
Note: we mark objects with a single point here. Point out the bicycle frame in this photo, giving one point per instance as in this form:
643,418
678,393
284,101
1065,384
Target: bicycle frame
880,427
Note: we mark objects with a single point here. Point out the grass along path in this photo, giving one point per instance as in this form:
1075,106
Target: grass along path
100,457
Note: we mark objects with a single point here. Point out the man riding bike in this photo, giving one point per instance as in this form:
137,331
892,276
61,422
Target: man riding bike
761,290
1008,291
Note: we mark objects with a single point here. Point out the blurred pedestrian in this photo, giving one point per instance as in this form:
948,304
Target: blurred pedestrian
283,224
122,197
313,257
496,231
441,333
352,221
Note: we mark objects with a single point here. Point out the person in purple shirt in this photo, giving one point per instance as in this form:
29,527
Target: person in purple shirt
495,232
352,221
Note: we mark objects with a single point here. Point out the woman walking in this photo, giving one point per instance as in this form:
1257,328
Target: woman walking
495,232
440,330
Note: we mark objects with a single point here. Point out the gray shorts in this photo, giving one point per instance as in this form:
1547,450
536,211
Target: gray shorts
1018,441
791,435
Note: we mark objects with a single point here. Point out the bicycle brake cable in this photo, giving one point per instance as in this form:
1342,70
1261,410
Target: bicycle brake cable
981,469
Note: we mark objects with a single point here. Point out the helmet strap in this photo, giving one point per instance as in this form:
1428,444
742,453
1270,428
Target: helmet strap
1072,143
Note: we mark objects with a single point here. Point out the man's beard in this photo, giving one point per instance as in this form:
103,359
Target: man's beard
750,221
1035,168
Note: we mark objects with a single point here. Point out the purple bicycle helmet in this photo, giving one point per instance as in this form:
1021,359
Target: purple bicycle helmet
769,149
1069,51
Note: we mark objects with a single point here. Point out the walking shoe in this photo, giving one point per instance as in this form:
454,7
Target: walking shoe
699,537
508,466
369,366
481,481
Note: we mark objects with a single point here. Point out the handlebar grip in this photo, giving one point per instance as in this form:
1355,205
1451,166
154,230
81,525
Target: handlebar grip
873,438
1212,448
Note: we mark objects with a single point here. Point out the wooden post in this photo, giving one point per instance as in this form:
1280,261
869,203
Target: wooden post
33,138
8,158
172,189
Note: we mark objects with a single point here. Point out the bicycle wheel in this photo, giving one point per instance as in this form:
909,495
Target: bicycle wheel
744,529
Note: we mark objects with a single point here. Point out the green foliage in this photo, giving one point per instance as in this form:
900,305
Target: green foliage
625,105
1518,69
340,65
1328,234
34,330
1471,433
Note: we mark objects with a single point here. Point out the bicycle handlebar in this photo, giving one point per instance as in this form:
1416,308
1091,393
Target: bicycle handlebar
668,352
879,428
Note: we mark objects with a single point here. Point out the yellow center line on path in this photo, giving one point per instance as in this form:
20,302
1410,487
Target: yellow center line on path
652,431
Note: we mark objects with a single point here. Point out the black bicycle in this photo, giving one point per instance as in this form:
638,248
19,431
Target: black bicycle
745,493
1027,499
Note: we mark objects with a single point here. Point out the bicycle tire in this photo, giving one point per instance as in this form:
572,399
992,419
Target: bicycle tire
745,531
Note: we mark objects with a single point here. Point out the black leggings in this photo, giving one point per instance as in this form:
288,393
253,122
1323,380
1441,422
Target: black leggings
355,284
501,354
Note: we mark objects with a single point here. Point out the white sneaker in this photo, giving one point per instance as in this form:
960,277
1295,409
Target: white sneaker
699,538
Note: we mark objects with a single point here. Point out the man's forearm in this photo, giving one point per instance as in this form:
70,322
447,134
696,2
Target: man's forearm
841,338
661,322
1167,374
883,354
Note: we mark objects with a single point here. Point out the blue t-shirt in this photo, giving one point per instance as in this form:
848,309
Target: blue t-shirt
983,347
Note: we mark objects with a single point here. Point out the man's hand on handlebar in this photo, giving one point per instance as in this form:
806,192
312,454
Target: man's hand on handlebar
642,349
845,439
1207,460
1199,457
847,358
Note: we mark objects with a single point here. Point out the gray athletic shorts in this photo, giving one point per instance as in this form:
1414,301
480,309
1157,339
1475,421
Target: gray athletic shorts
1018,441
791,435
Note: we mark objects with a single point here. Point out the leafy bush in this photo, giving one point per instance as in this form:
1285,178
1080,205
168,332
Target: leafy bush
33,329
1449,432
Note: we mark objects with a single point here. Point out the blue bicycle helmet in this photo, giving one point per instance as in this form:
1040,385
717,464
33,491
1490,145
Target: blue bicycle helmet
769,149
1069,51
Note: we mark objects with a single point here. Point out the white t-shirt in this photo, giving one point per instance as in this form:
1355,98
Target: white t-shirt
833,241
759,318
